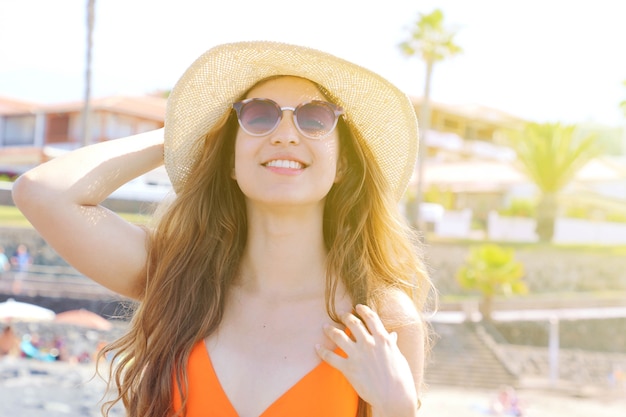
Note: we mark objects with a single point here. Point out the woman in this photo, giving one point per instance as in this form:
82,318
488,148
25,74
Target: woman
281,279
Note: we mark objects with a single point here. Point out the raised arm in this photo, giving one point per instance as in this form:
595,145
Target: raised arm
61,198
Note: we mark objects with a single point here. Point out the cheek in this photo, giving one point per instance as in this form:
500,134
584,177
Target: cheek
331,155
333,149
241,152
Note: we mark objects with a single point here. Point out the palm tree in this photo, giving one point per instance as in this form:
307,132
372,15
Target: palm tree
86,125
492,270
551,155
432,42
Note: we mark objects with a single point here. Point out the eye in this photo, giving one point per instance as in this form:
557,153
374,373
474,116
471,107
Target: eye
259,115
315,118
308,123
260,119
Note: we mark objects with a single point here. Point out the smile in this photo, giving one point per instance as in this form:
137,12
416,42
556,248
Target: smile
283,163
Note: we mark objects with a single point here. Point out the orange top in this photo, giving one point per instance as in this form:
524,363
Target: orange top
324,391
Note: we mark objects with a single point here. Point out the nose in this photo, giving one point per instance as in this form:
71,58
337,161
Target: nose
286,132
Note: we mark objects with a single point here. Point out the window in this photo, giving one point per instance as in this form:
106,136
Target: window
19,130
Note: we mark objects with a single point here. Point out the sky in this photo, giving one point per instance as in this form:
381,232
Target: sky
541,60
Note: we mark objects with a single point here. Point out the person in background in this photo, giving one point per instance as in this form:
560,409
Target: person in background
280,278
21,262
9,342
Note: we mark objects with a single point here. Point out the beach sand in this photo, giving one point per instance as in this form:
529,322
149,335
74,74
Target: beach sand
30,388
459,402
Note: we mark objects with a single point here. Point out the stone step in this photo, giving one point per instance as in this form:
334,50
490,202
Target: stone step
460,358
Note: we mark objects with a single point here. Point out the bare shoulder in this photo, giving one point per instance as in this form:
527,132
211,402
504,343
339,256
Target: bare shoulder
400,315
397,310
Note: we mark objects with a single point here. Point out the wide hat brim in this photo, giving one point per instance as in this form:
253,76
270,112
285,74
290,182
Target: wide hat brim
380,115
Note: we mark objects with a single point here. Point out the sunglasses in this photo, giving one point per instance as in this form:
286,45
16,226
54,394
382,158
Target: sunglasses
261,116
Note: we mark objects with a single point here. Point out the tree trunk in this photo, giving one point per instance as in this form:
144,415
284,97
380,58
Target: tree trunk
86,116
486,307
424,126
546,216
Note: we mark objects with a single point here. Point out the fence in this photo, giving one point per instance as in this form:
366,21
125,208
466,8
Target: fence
54,281
566,230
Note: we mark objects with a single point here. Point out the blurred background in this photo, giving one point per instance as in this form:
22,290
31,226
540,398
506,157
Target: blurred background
519,192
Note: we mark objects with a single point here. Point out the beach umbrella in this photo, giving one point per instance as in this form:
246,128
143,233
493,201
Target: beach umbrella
83,318
12,310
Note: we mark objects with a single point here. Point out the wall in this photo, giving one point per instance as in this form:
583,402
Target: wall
548,268
566,230
115,204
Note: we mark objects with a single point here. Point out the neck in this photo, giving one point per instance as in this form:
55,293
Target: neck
285,253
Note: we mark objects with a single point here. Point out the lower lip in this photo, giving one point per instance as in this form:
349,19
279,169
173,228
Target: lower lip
285,171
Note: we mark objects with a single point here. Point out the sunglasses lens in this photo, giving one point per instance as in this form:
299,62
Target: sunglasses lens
316,119
258,117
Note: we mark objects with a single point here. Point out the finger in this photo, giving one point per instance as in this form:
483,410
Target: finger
356,326
394,337
330,357
339,337
371,320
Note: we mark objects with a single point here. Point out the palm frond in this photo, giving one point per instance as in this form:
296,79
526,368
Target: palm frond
551,154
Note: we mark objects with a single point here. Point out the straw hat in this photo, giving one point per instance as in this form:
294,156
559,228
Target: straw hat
379,114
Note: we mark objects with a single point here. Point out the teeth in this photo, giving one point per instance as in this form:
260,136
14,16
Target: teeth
281,163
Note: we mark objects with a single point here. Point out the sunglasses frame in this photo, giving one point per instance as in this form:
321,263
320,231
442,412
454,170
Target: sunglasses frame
337,111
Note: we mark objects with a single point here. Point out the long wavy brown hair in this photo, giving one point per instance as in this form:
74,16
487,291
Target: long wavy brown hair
194,255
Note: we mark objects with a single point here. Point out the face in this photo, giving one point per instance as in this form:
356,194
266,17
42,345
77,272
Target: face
284,167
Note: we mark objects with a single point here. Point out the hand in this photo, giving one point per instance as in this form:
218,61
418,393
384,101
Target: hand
374,365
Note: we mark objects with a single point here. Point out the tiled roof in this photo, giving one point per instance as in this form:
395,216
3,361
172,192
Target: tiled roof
472,111
9,106
472,174
149,107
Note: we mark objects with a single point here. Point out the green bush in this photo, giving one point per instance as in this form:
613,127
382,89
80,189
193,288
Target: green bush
439,195
7,177
616,216
519,207
577,212
492,270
